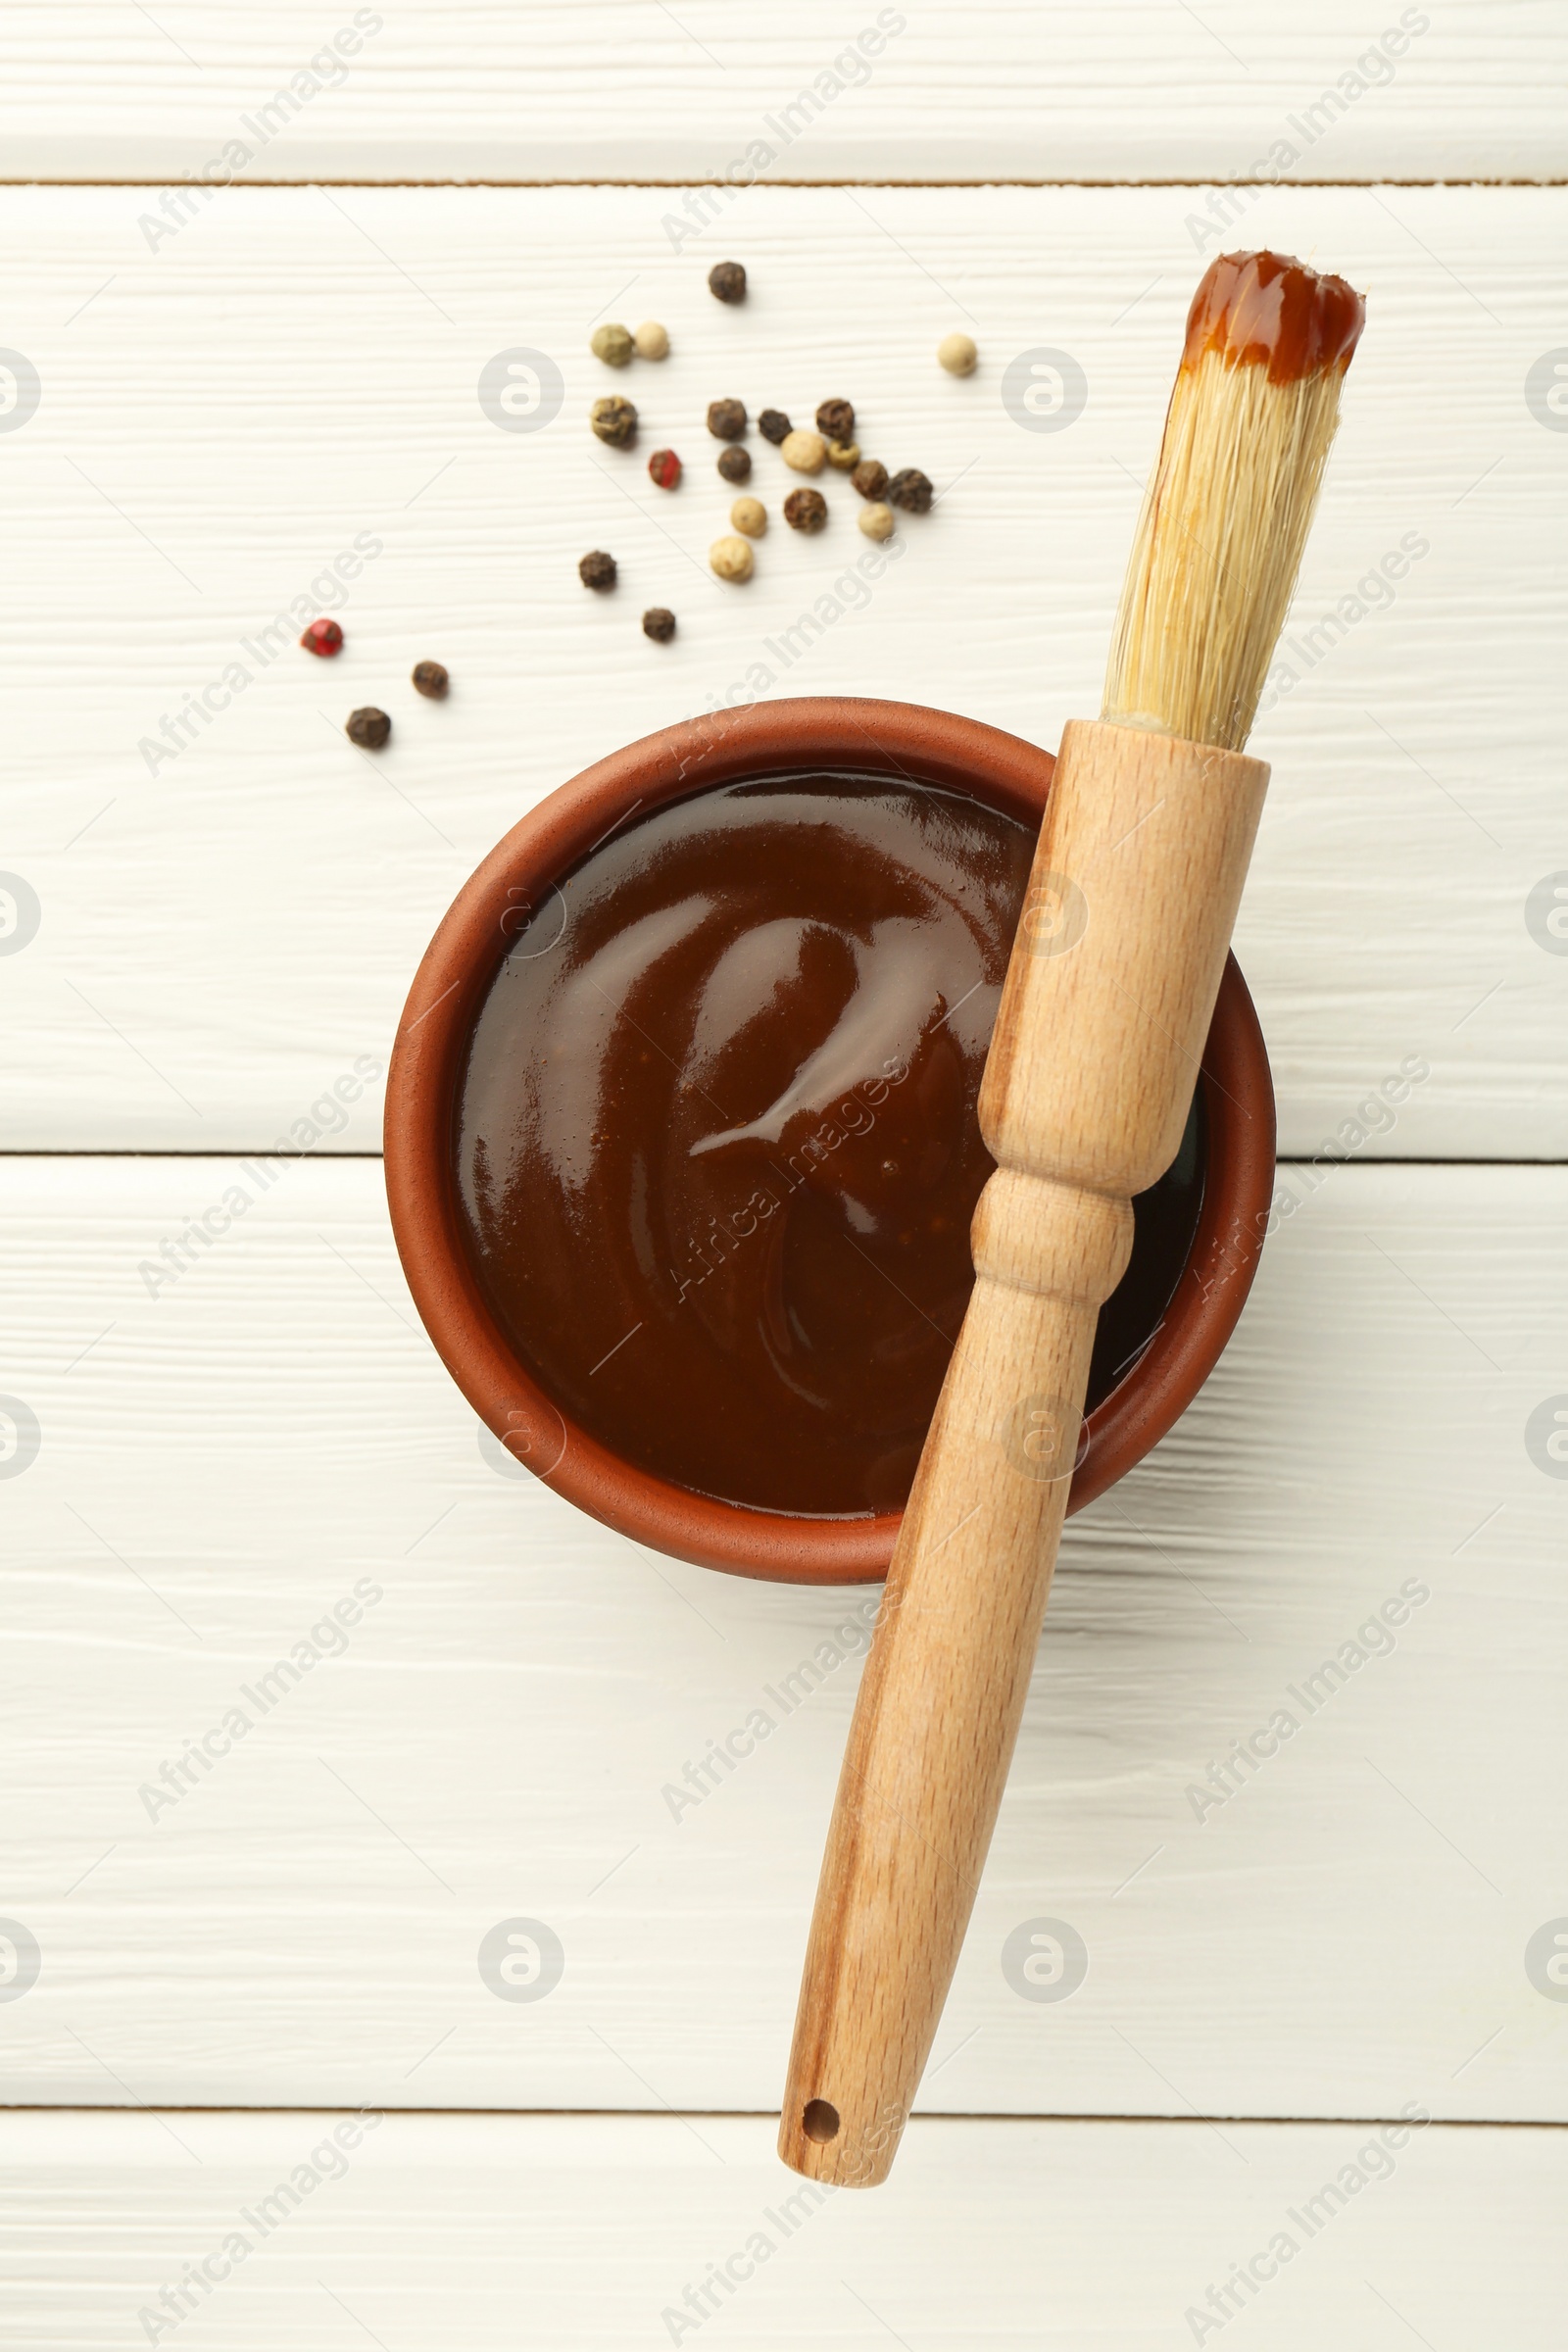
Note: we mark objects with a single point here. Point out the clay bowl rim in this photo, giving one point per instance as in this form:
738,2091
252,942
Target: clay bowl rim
895,739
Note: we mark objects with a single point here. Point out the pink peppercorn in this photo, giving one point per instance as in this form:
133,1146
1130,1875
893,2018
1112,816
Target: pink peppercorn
663,468
322,637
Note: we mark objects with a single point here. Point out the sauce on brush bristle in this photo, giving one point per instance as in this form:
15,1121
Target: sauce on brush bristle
1265,310
1219,540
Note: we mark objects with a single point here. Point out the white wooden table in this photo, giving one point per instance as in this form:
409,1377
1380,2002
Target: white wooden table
212,921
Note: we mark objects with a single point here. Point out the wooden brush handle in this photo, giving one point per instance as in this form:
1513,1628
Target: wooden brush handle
1107,1002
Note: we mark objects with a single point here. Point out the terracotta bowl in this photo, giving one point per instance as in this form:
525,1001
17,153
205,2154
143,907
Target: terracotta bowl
896,739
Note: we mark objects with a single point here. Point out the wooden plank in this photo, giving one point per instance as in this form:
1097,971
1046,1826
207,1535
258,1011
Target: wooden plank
1125,90
606,2231
510,1721
293,375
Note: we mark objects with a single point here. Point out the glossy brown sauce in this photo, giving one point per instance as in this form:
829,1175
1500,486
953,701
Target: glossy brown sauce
1265,310
716,1137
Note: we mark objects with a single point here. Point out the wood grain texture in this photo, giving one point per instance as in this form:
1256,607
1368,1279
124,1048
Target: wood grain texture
1109,995
590,2232
223,417
531,1723
600,89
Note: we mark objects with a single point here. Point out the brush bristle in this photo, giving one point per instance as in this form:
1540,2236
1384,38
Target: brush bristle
1228,507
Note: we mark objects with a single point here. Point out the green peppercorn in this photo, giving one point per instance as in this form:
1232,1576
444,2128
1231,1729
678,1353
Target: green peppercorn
726,280
911,490
844,455
613,344
614,421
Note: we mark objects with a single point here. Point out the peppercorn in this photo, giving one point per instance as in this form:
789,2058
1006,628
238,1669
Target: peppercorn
727,280
613,344
735,464
835,420
731,559
659,624
726,419
663,468
322,637
844,455
773,425
597,569
806,509
368,728
749,514
877,521
651,340
870,478
806,451
431,680
614,421
957,354
911,490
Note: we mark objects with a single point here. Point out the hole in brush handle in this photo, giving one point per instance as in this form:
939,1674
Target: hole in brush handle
821,2121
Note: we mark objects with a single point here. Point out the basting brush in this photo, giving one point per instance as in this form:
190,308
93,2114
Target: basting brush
1107,1001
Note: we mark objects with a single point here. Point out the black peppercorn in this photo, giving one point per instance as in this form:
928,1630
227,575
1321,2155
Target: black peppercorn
727,280
835,420
735,464
659,624
615,419
368,728
870,478
806,509
911,490
726,419
774,425
430,679
597,569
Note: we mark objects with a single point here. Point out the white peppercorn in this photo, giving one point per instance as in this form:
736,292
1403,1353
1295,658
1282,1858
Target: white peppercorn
651,341
612,344
749,514
806,451
877,521
957,354
731,559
